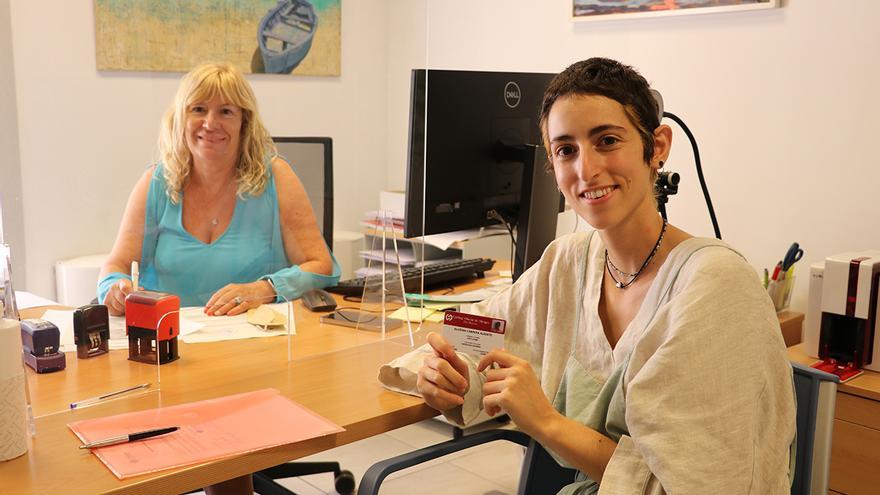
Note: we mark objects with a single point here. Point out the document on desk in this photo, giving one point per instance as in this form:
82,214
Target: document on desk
195,327
63,319
216,328
209,430
26,300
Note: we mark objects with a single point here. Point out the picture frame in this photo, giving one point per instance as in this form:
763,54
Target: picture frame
283,37
601,10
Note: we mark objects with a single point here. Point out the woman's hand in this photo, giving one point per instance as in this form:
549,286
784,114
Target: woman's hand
115,298
235,299
513,388
443,380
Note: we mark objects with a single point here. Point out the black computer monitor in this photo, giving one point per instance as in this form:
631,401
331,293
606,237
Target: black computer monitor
475,149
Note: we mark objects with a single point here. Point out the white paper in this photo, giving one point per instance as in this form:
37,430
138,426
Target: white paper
445,240
404,255
464,297
25,300
218,328
63,319
195,327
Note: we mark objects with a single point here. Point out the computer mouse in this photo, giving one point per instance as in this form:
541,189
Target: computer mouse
318,300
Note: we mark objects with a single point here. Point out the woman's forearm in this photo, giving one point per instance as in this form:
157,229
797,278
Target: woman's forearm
584,448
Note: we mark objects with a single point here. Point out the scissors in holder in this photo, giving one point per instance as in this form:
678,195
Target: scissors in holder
792,256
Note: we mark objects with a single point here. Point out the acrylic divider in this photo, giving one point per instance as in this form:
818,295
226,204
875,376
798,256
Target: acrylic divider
384,288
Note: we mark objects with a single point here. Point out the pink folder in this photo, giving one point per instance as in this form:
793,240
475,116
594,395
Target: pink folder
209,429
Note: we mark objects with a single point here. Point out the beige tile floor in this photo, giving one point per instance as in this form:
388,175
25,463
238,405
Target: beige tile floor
491,469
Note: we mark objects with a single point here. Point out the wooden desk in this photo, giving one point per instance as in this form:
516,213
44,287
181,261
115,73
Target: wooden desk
855,445
333,372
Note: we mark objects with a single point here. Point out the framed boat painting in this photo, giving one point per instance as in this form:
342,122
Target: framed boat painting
593,10
301,37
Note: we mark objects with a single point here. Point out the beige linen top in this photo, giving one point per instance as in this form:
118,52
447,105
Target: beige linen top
709,401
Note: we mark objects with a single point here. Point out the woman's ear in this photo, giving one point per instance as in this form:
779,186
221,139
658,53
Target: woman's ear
662,145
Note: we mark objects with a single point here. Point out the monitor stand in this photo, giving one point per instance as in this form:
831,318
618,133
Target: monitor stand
539,209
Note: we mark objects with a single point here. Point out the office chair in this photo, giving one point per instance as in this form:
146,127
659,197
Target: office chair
816,397
312,160
816,393
541,474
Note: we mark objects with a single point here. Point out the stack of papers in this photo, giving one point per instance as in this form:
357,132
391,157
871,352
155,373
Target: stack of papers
403,257
195,327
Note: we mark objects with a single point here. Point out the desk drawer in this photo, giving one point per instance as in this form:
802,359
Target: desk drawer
855,456
858,410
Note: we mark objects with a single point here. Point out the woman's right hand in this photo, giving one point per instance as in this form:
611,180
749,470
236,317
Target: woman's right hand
443,379
115,298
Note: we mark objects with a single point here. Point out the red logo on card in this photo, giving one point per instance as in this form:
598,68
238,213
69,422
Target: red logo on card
475,322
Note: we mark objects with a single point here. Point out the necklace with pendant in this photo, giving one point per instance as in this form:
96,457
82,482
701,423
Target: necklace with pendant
633,276
215,221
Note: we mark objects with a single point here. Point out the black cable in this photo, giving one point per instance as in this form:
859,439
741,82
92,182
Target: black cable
512,242
495,215
699,170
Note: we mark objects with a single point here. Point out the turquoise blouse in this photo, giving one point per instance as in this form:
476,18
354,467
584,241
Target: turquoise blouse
251,248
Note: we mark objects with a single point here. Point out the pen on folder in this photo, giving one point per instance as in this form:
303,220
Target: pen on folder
94,400
132,437
134,275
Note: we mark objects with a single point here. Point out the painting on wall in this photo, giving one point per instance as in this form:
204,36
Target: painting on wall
302,37
587,10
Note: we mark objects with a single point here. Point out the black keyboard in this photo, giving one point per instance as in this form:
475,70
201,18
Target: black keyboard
437,274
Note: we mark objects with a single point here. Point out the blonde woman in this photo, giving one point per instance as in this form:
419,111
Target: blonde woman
222,220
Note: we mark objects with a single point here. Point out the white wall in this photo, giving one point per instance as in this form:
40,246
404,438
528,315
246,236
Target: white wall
783,104
407,21
10,171
86,136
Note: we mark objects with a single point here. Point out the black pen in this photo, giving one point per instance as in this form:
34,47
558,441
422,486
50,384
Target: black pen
129,438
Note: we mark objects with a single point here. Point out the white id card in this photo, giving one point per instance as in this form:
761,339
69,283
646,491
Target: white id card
473,334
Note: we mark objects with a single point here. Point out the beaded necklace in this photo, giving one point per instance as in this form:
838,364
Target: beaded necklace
633,276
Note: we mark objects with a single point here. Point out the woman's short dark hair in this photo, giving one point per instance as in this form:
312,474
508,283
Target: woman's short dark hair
611,79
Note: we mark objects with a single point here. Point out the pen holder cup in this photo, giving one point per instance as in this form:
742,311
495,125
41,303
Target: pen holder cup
780,292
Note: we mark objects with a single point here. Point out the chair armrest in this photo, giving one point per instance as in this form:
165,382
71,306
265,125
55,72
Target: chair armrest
377,473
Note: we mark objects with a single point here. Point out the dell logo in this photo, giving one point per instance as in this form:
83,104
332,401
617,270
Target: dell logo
511,94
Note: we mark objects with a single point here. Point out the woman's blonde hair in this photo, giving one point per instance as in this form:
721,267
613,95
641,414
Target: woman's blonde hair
202,84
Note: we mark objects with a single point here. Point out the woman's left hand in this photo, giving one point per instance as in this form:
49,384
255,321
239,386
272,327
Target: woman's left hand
235,299
513,388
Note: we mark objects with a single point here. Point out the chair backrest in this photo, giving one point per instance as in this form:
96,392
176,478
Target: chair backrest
816,397
312,160
541,474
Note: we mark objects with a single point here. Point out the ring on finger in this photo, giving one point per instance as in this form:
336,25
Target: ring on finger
237,300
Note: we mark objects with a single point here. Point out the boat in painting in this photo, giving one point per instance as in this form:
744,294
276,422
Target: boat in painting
285,35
